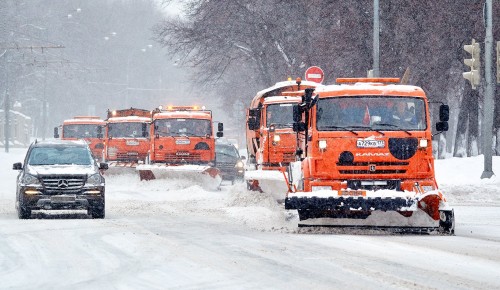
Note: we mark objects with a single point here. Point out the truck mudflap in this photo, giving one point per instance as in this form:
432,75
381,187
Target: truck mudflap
425,212
206,176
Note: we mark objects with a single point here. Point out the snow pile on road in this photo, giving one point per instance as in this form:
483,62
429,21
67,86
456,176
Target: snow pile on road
126,195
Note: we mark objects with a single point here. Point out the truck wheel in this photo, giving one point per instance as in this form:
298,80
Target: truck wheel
97,211
447,222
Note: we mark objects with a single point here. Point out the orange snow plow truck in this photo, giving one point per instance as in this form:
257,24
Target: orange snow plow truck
182,146
88,128
271,142
127,139
366,158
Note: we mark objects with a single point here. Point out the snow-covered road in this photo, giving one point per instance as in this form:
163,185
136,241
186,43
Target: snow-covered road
160,235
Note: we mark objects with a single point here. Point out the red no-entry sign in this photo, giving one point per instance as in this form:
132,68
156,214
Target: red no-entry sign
315,74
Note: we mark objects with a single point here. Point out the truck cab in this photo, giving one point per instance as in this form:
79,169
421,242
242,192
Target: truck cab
183,135
88,128
127,135
366,145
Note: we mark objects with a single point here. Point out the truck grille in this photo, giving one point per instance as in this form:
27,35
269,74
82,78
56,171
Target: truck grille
129,156
380,168
288,157
63,183
174,157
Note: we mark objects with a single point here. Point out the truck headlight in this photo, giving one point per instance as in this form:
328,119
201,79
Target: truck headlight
422,143
322,144
29,179
276,138
94,179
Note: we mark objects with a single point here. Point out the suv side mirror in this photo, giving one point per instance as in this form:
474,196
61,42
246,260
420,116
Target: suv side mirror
17,166
56,132
444,113
103,166
243,158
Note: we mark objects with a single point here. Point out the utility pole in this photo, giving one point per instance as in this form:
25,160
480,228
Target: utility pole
7,98
489,93
376,36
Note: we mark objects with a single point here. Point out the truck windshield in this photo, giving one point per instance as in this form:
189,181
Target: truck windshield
387,113
60,155
127,130
183,127
80,131
280,115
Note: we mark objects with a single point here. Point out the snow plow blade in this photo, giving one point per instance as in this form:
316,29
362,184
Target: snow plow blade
267,181
119,168
206,176
421,213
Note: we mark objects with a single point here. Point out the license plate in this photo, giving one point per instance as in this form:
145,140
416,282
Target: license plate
370,143
132,142
63,198
352,193
182,142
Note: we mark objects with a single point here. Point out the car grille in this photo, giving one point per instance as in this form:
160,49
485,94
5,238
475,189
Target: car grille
63,184
225,166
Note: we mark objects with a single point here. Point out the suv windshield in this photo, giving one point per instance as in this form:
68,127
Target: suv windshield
227,150
388,113
60,155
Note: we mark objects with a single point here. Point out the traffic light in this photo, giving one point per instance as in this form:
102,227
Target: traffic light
498,62
474,74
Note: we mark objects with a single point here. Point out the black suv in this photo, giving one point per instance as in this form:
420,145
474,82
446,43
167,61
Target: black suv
229,162
60,174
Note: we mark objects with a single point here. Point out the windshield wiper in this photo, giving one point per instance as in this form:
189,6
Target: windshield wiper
394,126
339,127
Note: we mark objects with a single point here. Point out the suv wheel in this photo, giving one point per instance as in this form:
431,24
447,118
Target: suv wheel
23,212
97,210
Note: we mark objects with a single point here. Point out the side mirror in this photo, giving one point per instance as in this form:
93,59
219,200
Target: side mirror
299,127
442,126
144,130
444,113
243,158
252,124
56,132
220,134
220,127
297,114
17,166
103,166
254,112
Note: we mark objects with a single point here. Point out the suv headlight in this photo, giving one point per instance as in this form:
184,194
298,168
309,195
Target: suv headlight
29,179
239,164
94,179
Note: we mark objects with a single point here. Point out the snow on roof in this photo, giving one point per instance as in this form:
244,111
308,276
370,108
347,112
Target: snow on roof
84,121
183,114
18,114
282,99
128,119
372,88
287,84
